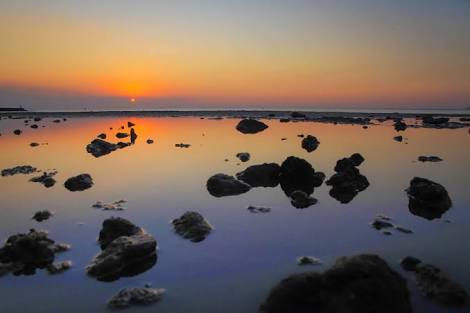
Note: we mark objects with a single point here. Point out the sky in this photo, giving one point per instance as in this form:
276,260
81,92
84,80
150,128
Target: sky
87,54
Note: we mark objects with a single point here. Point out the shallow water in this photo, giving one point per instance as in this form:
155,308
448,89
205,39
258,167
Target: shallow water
234,268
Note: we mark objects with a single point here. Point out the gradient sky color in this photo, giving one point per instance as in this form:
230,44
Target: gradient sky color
225,53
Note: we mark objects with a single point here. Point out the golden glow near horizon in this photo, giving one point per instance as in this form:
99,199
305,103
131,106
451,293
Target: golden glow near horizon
292,53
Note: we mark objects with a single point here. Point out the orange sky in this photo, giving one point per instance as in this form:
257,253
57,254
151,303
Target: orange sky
303,52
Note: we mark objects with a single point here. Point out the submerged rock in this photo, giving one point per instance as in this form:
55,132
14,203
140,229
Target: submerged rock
79,183
261,175
298,174
127,250
359,284
243,156
23,254
427,199
301,200
139,296
258,209
43,215
310,143
47,179
431,158
220,185
22,169
193,226
250,126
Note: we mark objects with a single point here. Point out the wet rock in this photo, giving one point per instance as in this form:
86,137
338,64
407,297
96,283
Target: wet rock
130,124
182,145
261,175
243,156
399,125
221,185
135,296
99,147
398,138
79,183
23,254
102,136
410,263
427,199
431,158
359,284
193,226
133,136
59,267
122,135
309,260
310,143
127,250
22,169
301,200
149,141
34,144
43,215
113,206
250,126
47,179
298,174
17,132
258,209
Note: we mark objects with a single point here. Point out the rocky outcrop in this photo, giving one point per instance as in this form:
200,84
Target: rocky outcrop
79,183
310,143
261,175
427,199
135,296
127,250
193,226
221,185
250,126
359,284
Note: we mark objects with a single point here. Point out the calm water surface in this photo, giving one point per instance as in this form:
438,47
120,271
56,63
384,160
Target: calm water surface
234,268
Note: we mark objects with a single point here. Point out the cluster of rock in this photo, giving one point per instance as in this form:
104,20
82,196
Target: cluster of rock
23,254
47,179
21,169
427,199
348,181
127,250
193,226
435,285
358,284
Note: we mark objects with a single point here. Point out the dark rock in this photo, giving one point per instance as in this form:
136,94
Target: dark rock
400,126
359,284
34,126
427,199
243,156
79,183
133,136
122,135
127,250
182,145
435,121
37,119
309,260
135,296
17,132
301,200
34,144
149,141
398,138
22,169
410,263
261,175
298,174
43,215
102,136
220,185
298,115
99,147
193,226
250,126
56,121
47,179
130,124
431,158
284,120
310,143
380,224
258,209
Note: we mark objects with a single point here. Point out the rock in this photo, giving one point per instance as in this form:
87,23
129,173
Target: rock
59,267
298,174
398,138
309,260
102,136
43,215
409,263
435,285
379,224
403,230
17,132
56,121
284,120
37,119
435,121
243,156
400,126
149,141
22,169
431,158
261,175
221,185
250,126
47,179
182,145
257,209
34,126
24,253
34,144
122,135
79,183
99,147
130,124
193,226
113,206
298,115
345,164
359,284
427,199
301,200
310,143
127,250
133,136
131,296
